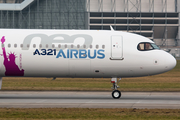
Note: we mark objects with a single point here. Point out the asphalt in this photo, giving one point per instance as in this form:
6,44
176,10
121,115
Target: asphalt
63,99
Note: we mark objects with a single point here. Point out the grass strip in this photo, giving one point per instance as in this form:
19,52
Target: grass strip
88,114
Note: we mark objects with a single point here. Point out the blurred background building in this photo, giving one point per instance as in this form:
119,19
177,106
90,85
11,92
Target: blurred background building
155,19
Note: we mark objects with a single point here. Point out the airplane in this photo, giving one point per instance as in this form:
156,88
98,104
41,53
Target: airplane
80,54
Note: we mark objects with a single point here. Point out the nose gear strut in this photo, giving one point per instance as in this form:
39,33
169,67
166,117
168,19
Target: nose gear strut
116,94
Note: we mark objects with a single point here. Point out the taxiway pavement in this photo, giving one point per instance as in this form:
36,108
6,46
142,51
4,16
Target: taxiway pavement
77,99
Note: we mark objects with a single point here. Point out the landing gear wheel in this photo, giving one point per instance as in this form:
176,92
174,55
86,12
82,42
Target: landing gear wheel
116,94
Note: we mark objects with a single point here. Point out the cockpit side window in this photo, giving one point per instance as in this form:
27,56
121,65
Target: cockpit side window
141,46
155,46
145,46
148,46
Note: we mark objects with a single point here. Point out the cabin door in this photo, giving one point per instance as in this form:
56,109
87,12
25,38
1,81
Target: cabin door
116,47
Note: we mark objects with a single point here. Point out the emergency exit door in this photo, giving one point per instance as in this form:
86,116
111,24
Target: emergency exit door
117,48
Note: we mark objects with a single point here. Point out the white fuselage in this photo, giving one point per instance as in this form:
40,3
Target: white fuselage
79,53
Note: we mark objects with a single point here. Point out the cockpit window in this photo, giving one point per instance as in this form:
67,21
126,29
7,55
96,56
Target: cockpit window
145,46
155,46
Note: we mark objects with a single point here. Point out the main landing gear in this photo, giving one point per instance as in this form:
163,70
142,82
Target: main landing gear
116,94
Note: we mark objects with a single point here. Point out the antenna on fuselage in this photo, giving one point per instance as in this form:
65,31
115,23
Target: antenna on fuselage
111,28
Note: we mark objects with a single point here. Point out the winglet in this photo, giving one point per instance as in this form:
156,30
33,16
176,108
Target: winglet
111,28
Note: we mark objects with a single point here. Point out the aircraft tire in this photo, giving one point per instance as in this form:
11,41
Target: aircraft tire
116,94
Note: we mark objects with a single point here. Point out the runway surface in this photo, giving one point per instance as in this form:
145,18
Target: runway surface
59,99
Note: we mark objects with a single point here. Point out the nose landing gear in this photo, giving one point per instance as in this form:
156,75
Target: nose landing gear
116,94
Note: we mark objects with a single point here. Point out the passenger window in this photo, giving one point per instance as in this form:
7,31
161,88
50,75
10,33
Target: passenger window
15,45
59,46
40,45
65,46
9,45
97,46
34,45
78,46
103,46
72,46
84,46
27,45
21,45
90,46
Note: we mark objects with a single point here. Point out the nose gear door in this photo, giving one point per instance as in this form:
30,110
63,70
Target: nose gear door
116,48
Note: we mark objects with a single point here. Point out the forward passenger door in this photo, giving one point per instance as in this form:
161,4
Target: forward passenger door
117,48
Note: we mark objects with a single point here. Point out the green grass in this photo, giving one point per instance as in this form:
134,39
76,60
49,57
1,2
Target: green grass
89,114
169,81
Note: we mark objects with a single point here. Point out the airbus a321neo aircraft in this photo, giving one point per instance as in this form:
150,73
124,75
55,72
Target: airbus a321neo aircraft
80,53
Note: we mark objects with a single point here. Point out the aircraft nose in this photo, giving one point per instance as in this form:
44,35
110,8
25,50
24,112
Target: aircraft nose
170,62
